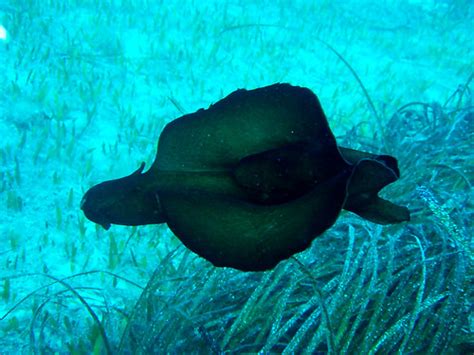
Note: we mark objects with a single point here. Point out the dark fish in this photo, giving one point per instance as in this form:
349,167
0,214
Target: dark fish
250,181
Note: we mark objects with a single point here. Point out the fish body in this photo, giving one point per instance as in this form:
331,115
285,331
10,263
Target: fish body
250,181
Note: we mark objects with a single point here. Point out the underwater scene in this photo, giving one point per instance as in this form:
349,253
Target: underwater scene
236,176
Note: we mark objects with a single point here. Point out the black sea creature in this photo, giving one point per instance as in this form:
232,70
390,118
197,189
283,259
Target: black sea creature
250,181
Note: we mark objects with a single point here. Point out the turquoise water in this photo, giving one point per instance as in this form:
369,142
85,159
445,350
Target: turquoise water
86,89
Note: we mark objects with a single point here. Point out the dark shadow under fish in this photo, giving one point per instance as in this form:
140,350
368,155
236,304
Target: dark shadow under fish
250,181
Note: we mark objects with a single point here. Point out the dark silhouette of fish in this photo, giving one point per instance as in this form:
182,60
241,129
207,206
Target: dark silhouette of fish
250,181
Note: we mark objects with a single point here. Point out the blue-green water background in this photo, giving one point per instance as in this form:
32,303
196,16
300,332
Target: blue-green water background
85,90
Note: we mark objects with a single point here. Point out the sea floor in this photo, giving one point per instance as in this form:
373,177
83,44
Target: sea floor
87,87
